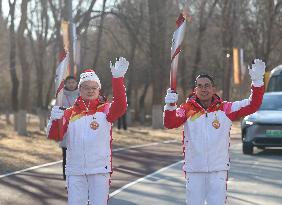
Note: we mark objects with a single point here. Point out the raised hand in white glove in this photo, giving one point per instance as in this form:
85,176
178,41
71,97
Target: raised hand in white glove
171,96
56,113
257,72
119,69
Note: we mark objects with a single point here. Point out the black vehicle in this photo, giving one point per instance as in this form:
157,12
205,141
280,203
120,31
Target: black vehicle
264,127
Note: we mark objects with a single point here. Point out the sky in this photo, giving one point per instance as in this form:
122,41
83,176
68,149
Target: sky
5,6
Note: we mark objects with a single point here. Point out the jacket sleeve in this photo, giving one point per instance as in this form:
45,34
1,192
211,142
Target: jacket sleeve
56,129
174,118
238,109
118,105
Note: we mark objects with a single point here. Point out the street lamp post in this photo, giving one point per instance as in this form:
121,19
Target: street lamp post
227,76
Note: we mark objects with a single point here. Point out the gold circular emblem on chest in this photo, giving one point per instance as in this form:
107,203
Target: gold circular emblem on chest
94,125
216,124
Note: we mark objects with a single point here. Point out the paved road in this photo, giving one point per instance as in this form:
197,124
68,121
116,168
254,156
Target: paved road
45,186
256,179
253,180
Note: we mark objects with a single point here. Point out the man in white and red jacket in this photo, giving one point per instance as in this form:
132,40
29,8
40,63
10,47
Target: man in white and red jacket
88,128
207,121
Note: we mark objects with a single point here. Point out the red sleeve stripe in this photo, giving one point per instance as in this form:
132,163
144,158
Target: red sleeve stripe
118,106
248,108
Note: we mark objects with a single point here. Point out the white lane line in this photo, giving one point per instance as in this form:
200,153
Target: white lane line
144,178
30,168
60,161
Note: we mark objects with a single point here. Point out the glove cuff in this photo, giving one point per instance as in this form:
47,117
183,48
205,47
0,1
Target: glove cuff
54,118
118,75
258,83
169,107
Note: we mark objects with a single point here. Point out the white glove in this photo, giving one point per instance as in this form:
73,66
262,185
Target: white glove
257,72
170,98
119,69
56,113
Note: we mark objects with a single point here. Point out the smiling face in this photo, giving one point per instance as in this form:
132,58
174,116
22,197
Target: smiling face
204,89
89,90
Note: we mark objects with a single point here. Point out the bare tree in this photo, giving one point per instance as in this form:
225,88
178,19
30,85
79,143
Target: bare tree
39,30
83,19
40,38
25,66
57,46
13,72
227,43
99,35
206,10
131,16
157,46
262,27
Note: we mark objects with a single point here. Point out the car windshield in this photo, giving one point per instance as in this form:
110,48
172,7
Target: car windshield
271,102
275,83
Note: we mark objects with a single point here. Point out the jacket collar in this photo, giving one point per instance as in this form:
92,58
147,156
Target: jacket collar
193,99
70,93
82,105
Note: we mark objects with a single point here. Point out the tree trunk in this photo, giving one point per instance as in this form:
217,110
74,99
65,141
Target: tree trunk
21,117
7,116
23,57
227,42
13,72
43,116
99,36
21,123
130,72
57,48
142,113
51,83
157,35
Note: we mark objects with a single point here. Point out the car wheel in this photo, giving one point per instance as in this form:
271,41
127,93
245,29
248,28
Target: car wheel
248,148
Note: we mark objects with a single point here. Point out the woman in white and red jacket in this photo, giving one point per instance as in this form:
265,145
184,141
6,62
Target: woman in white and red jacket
87,125
207,121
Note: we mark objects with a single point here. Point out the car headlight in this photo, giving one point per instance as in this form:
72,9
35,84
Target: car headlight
248,122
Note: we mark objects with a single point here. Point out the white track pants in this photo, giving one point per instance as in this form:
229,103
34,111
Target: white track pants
94,187
207,187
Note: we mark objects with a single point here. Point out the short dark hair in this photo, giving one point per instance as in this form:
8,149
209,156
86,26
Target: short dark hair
70,77
204,75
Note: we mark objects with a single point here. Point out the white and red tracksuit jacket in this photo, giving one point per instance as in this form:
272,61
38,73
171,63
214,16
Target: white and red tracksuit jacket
89,150
206,148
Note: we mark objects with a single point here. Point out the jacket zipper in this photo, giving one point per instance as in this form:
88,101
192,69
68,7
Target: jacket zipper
83,139
206,139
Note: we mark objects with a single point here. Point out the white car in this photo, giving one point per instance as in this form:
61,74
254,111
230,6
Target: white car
264,127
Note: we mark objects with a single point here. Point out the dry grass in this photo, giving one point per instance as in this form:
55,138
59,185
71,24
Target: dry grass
144,135
19,152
